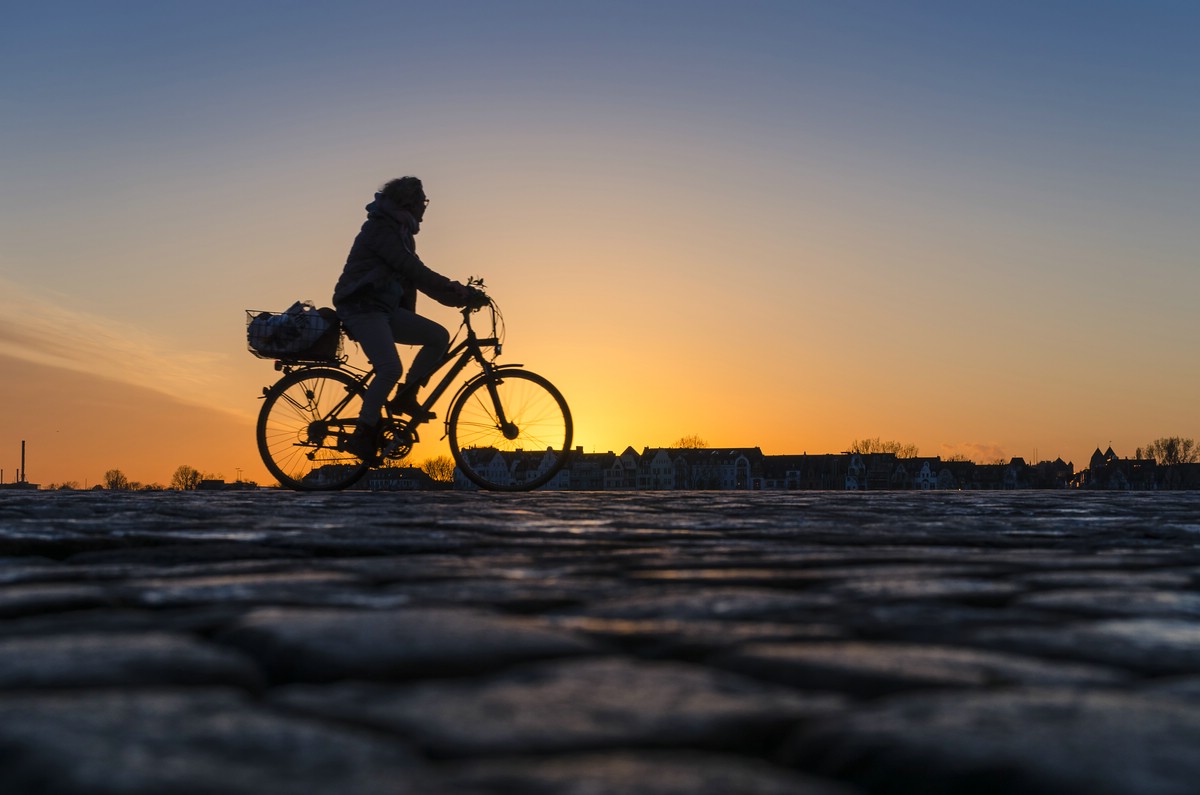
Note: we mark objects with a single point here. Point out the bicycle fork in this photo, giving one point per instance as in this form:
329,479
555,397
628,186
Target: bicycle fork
503,424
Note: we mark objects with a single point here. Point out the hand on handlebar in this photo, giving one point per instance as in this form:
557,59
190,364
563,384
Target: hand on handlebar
477,299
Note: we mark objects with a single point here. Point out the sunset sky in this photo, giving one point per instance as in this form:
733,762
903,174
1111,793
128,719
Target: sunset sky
971,226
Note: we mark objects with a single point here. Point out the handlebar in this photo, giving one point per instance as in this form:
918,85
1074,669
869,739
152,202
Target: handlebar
478,299
481,300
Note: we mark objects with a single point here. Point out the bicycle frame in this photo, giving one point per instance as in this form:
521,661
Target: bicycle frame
467,350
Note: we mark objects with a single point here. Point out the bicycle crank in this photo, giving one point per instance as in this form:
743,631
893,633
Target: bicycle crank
396,440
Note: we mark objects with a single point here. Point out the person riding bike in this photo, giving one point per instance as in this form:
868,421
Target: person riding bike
375,298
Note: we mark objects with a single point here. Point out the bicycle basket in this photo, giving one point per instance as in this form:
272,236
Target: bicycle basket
301,334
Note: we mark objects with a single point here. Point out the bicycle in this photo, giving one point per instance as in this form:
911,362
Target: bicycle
509,429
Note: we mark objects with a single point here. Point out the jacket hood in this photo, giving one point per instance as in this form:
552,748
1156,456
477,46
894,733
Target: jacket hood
383,207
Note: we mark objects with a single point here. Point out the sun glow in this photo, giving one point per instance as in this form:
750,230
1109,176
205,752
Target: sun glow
729,224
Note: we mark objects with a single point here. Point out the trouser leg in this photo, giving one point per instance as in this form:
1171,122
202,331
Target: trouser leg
373,332
409,328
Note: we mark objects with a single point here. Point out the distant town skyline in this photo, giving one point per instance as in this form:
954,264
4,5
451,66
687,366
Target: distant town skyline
736,468
693,443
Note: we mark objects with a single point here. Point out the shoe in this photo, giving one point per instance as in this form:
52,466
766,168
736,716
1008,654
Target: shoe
405,402
363,443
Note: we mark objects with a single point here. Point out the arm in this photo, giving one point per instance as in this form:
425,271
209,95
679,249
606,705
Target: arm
397,250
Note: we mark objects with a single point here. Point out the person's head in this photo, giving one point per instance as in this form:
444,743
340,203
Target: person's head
407,194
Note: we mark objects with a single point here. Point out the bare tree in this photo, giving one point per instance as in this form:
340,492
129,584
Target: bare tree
899,449
439,468
186,478
1171,450
115,480
692,441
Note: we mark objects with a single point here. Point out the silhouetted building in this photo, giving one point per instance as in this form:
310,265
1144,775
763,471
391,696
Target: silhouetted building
1056,474
1108,472
512,467
221,485
402,479
1179,476
728,468
588,470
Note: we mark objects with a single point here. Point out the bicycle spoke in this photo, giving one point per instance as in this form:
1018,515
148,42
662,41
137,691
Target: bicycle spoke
532,417
300,425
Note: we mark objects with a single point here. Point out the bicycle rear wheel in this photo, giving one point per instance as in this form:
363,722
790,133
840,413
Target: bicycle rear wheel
516,444
305,421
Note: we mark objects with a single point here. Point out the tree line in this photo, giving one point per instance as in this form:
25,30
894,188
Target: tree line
1170,450
185,478
188,478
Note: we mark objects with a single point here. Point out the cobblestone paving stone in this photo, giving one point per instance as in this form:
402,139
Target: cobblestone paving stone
576,644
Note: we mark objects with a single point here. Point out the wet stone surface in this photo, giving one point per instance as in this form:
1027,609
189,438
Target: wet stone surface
574,644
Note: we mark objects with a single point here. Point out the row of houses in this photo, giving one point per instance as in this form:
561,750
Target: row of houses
1109,472
748,468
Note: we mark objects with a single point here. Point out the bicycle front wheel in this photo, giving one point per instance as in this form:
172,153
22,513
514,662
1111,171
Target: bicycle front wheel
510,431
306,419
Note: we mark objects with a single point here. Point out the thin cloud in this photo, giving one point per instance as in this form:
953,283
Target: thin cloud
38,330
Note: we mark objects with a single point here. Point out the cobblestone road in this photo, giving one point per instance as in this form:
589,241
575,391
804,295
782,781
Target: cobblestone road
599,643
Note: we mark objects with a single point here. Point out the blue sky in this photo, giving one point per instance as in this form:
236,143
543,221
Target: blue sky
957,205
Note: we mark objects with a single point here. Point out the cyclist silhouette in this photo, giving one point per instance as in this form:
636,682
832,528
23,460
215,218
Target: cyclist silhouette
376,301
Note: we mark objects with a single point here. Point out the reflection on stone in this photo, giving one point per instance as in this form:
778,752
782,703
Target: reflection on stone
694,642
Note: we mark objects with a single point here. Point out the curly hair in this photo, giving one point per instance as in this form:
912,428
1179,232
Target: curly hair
406,192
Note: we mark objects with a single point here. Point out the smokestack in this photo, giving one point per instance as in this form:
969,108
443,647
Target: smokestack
21,477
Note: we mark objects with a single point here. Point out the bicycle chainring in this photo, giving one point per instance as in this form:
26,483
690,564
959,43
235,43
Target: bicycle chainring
396,440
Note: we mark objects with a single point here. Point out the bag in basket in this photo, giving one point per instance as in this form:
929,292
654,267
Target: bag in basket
303,332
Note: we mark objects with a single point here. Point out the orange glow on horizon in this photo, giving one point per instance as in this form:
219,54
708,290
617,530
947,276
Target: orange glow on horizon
762,244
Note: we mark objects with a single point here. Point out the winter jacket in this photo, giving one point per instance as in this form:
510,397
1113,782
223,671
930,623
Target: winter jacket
383,271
